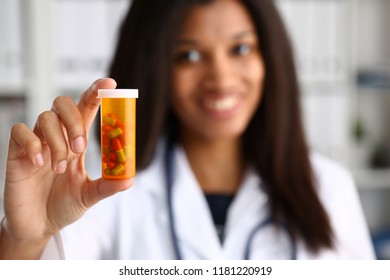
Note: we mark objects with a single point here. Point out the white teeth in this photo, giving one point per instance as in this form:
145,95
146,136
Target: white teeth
222,104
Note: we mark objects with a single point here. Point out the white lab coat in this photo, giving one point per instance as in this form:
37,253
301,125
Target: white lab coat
134,224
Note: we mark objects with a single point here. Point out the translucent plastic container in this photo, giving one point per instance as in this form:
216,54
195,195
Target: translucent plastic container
117,124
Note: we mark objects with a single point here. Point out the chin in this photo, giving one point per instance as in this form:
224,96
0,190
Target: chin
215,134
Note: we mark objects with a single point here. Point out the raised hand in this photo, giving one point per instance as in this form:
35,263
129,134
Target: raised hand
46,185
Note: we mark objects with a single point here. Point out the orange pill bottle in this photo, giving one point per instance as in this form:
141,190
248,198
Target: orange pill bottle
117,125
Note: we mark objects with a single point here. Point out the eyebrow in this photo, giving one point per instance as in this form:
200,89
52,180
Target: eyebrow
234,37
244,34
186,42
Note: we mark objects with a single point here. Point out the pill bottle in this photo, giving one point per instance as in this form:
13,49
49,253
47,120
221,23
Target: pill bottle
117,130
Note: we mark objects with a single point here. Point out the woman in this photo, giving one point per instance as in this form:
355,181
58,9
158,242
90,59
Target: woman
223,167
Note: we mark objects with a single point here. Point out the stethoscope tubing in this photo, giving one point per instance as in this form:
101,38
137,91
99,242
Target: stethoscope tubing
169,183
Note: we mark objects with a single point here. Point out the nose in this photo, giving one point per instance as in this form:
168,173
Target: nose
219,72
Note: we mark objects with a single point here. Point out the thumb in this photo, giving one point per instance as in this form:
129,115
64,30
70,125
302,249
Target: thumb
101,188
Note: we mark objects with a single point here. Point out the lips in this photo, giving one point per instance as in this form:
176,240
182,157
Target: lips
221,105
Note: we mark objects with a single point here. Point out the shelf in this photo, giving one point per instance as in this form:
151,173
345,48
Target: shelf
10,91
366,90
372,179
328,88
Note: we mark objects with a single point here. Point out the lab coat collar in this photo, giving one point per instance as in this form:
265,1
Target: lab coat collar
197,236
248,209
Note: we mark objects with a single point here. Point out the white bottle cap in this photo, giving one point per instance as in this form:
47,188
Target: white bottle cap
117,93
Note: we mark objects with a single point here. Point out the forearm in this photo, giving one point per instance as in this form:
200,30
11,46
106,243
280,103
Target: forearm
13,249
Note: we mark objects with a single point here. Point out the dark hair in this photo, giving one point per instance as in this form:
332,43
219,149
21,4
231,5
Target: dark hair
274,141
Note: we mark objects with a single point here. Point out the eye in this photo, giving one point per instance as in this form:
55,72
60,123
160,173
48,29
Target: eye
188,56
241,49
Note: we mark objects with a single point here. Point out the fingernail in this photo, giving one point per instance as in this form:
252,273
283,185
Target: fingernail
79,144
61,166
39,159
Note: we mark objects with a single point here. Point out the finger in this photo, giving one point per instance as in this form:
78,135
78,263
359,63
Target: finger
24,142
89,104
101,188
73,121
51,129
39,134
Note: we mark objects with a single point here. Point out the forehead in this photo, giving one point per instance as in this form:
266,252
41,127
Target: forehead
218,19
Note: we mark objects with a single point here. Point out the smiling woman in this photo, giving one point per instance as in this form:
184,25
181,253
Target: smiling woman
224,171
216,94
218,73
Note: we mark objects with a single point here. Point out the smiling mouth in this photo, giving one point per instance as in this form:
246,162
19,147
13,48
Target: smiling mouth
221,104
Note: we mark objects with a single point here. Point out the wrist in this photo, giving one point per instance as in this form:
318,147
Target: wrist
15,248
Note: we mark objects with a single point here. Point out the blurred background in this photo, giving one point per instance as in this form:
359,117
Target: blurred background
59,47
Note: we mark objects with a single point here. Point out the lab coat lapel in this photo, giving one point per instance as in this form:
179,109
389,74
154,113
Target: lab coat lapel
247,210
197,236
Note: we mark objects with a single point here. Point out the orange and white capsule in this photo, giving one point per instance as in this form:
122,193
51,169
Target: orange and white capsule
119,152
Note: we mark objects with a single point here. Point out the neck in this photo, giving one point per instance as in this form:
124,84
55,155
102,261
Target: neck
218,165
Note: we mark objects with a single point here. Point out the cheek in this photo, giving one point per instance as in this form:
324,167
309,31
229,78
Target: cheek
256,72
183,83
252,70
255,75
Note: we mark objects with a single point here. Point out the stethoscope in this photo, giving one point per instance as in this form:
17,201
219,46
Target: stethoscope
169,175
